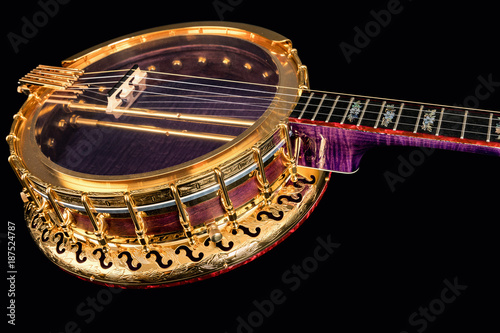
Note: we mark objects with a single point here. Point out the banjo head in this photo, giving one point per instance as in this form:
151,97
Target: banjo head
164,156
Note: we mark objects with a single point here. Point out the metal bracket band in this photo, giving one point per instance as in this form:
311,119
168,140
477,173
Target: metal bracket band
63,219
183,215
25,182
261,175
137,221
289,155
97,224
224,198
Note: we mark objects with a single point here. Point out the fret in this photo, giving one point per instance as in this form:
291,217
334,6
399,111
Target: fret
478,126
371,113
451,123
302,105
462,134
347,110
398,117
497,129
440,121
324,109
306,105
418,118
338,111
367,102
319,106
490,128
382,107
332,108
493,128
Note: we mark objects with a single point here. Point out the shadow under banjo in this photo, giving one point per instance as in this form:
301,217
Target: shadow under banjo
182,152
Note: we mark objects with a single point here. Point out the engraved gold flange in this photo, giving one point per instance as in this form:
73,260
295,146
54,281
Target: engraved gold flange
170,262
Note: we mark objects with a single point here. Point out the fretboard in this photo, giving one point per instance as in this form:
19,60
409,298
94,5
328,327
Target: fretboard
392,122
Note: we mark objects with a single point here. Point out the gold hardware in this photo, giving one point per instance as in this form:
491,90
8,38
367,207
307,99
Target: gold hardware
148,113
177,64
183,215
214,232
28,195
301,71
62,70
13,159
298,146
285,44
291,157
137,221
97,224
303,77
27,185
224,198
261,175
63,219
79,121
50,77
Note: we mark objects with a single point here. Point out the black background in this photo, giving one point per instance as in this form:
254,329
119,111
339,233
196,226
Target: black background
397,246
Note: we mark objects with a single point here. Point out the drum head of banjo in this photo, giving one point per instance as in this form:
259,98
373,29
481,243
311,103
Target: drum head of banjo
120,158
203,70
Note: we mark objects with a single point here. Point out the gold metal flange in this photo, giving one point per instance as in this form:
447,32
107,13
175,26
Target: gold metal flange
172,262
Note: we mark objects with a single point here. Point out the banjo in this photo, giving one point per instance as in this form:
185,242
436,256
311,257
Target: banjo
182,152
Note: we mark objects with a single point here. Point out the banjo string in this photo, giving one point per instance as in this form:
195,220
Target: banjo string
218,97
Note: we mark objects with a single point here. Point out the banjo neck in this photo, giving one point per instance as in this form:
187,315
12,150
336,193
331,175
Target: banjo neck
336,129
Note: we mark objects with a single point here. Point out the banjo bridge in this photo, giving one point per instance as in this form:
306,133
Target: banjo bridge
126,90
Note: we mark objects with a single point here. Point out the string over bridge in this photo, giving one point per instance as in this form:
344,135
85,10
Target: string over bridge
126,90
